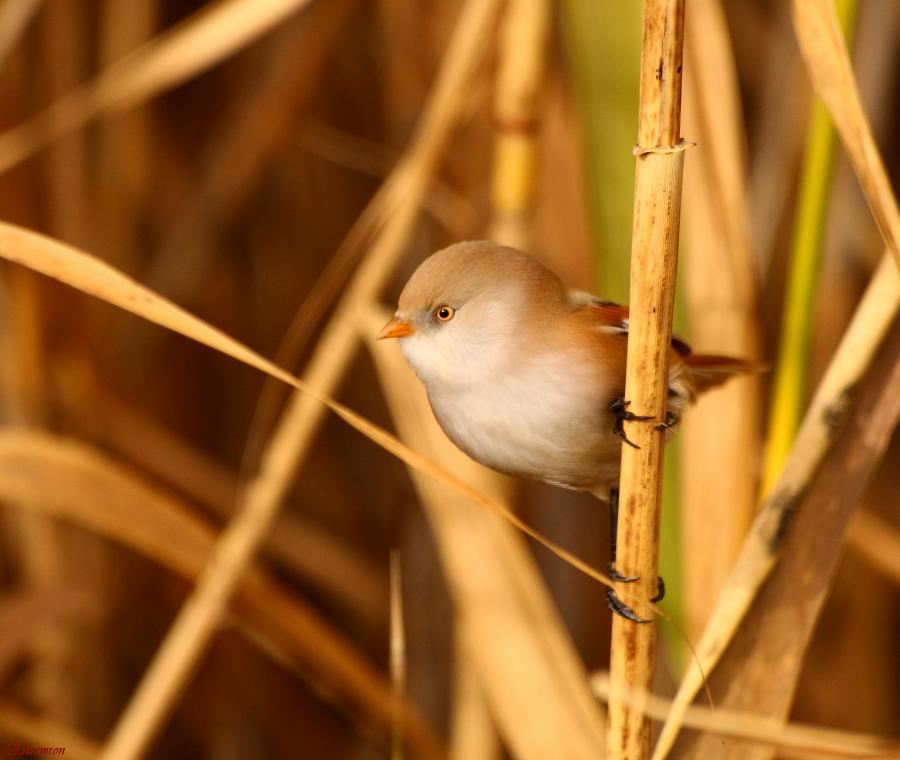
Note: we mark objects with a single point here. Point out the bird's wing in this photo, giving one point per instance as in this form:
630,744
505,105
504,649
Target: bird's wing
613,317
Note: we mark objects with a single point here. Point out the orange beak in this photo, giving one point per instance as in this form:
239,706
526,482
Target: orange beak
396,328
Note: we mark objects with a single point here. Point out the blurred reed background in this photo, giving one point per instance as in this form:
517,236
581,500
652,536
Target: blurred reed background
278,168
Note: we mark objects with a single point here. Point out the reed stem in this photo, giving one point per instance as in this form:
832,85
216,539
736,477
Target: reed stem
654,253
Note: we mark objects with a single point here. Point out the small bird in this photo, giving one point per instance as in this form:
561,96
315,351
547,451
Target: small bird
527,377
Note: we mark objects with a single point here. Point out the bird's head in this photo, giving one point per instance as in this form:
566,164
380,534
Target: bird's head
466,312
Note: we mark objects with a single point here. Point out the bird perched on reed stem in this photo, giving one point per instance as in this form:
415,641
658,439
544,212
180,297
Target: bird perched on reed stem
526,376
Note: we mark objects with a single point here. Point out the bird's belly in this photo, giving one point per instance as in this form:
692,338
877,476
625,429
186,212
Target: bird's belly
534,430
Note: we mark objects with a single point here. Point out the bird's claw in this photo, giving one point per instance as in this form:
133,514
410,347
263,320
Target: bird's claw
660,590
615,575
671,422
620,608
619,408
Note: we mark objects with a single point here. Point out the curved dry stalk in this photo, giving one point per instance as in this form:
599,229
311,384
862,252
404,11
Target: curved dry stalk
654,255
831,72
523,41
721,439
166,61
761,669
508,627
60,478
873,318
761,729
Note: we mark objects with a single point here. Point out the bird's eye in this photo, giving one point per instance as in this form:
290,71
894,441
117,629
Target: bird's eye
444,313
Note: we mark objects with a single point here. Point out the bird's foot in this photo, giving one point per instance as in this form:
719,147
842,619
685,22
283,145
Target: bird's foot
619,607
671,422
619,408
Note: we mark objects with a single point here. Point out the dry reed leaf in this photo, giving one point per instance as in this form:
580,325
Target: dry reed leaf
873,318
72,482
876,541
508,628
831,72
38,732
92,276
789,738
721,441
175,56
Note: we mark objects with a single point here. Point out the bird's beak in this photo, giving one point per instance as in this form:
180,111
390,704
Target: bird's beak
396,328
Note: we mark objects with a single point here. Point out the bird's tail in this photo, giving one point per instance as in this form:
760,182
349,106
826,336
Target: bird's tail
708,371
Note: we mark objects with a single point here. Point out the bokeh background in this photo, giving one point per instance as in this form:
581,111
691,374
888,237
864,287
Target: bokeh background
253,191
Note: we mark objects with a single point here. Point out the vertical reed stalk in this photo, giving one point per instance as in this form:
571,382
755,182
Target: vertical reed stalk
397,658
519,78
654,253
718,269
791,381
604,58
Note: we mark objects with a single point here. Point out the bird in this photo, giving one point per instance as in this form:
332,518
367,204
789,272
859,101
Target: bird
527,376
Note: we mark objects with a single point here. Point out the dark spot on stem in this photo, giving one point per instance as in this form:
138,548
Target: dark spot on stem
835,414
784,505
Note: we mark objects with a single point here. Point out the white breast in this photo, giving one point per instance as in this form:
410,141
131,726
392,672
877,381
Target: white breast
544,418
